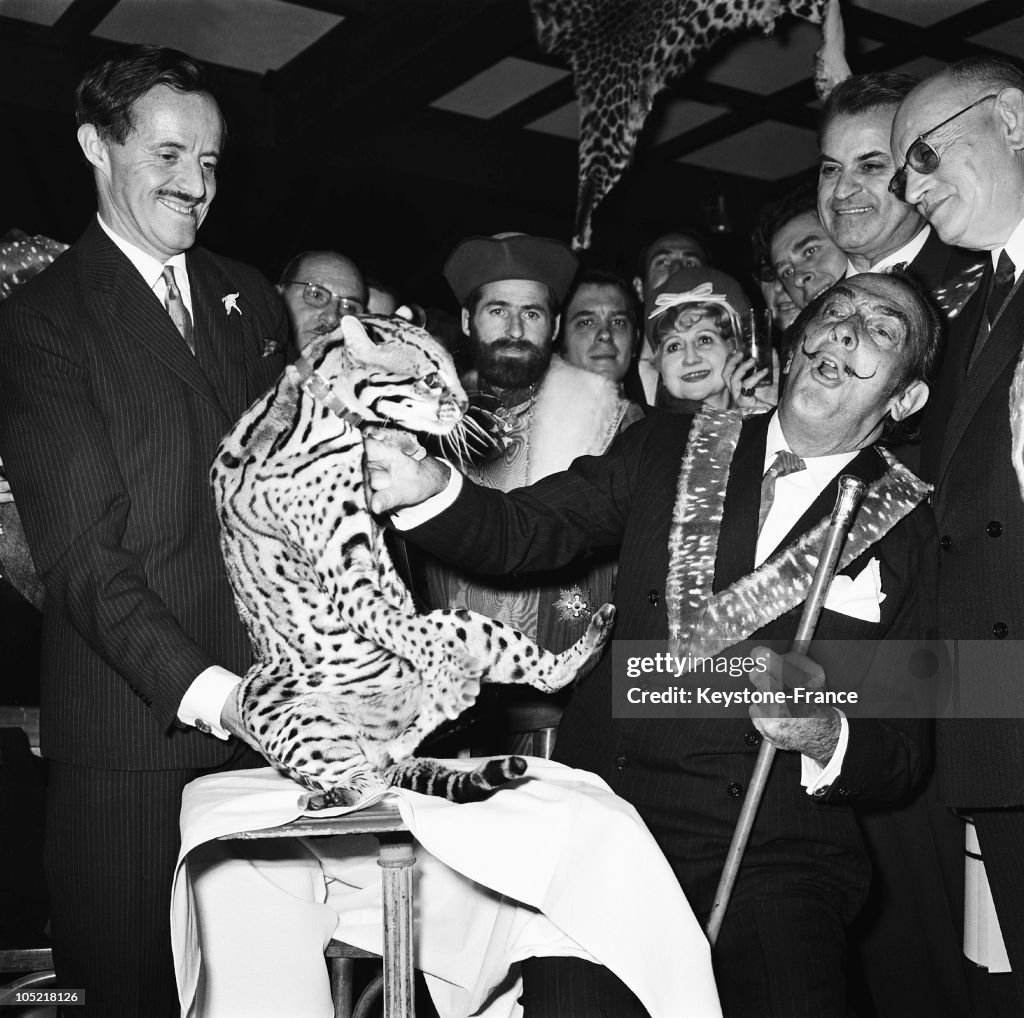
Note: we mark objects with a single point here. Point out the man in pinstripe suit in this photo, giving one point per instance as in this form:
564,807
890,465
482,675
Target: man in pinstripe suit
117,380
861,357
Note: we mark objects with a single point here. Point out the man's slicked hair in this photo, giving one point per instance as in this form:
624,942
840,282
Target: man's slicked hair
864,92
107,93
987,74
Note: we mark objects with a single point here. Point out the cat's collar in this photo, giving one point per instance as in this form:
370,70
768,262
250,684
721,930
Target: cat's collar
349,410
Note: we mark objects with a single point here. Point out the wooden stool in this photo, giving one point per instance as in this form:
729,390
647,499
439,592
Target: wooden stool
532,726
396,859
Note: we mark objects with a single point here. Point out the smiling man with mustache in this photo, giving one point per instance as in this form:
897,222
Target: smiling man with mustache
122,365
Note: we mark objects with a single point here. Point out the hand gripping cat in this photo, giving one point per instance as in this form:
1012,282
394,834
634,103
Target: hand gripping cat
349,677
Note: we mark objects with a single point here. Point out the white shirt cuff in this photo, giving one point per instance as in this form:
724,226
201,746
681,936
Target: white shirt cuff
203,702
415,515
815,778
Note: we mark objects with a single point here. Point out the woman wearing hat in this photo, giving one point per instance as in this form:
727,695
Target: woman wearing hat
694,321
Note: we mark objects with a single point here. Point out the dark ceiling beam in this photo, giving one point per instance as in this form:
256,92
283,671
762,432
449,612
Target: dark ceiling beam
343,8
81,17
547,100
384,66
439,145
946,40
40,69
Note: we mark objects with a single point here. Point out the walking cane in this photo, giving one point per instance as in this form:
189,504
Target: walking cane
850,491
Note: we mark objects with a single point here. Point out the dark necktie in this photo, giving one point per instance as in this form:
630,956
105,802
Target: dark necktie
176,308
1002,284
786,462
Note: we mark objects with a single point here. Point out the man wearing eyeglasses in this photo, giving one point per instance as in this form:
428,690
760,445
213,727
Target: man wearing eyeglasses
958,140
876,230
318,288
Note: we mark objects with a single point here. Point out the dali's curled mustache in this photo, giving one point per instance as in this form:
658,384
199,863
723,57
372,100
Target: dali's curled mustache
846,367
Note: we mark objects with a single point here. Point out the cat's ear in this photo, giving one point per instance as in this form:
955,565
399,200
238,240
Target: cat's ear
356,335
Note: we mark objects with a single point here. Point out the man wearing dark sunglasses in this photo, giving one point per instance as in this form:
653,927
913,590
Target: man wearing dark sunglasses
958,140
858,208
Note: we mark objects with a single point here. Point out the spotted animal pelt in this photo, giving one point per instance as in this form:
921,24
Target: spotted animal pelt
702,623
349,677
622,54
22,257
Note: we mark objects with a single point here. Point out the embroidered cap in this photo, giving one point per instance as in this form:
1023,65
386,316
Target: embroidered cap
479,260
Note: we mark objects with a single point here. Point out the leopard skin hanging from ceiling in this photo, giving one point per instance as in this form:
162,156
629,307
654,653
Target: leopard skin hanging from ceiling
622,54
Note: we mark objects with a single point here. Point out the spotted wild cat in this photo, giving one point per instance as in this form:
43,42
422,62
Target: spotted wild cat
349,676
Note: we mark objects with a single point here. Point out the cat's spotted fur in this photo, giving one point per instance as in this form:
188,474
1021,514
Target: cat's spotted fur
349,677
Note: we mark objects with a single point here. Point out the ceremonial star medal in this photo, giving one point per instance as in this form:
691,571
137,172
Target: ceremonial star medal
574,605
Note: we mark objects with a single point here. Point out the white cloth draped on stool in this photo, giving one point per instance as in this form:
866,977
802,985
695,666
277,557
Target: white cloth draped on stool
557,865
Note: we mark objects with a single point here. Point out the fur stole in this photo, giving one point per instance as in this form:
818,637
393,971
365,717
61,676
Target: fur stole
704,623
577,413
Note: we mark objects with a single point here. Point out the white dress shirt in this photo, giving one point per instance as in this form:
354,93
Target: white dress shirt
1014,247
907,254
152,270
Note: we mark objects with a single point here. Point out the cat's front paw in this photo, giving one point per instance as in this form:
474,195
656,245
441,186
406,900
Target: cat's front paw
600,627
325,800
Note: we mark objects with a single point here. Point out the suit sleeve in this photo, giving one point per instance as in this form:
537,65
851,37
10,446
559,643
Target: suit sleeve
75,508
543,526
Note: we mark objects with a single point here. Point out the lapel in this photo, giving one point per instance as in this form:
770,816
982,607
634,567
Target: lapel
936,263
959,335
737,542
1000,350
133,314
220,342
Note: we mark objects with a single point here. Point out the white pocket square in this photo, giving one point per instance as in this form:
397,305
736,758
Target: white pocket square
858,596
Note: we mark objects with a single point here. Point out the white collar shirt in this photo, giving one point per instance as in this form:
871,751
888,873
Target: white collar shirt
1014,247
794,493
907,254
151,269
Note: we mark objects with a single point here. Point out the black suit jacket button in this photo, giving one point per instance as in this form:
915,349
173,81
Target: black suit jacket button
994,529
654,597
842,791
620,762
945,542
752,738
999,630
735,790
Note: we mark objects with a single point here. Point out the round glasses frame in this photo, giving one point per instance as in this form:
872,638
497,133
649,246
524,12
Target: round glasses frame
316,295
921,157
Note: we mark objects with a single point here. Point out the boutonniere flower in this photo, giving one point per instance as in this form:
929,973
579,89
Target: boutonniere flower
230,302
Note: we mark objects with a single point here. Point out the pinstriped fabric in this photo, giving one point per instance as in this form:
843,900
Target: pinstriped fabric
107,427
111,845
